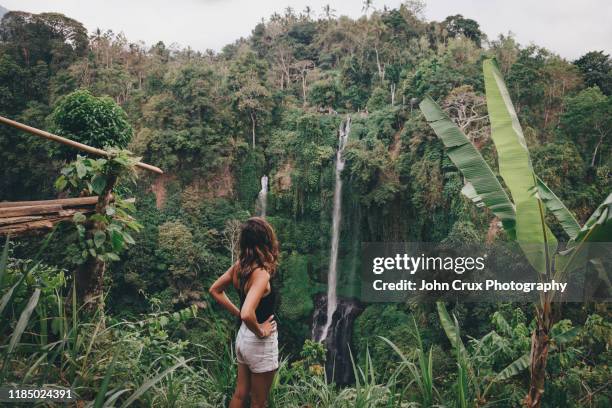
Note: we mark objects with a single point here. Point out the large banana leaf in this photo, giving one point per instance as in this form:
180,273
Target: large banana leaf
468,159
451,328
516,367
603,276
559,210
464,363
18,331
598,228
532,234
3,262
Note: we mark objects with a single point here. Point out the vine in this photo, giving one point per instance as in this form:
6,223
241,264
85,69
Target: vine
110,234
103,235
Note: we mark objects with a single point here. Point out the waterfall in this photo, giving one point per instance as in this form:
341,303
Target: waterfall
338,365
332,300
262,197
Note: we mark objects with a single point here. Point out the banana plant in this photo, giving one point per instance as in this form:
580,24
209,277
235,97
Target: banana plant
472,385
523,217
468,377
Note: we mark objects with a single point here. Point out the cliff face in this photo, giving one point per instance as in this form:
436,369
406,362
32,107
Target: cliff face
3,11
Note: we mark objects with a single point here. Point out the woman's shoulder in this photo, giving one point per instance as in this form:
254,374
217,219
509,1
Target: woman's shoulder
260,273
255,273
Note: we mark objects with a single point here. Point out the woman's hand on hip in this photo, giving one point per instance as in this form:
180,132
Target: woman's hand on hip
268,327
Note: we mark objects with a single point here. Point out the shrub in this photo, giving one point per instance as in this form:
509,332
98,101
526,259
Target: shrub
94,121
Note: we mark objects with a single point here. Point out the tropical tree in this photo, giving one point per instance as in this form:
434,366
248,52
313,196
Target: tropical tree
597,70
523,218
307,12
329,12
458,25
250,97
588,119
367,5
50,38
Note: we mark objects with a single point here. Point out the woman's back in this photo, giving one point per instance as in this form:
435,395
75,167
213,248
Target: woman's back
267,303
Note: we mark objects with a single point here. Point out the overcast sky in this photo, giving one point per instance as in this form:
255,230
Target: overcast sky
567,27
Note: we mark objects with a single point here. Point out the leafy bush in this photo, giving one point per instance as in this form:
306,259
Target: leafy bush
94,121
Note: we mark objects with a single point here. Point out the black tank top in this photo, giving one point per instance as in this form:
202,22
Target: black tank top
266,304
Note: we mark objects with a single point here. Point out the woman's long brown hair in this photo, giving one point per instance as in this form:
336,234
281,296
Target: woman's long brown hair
258,248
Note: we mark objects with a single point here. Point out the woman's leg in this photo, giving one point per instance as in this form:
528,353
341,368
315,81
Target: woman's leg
260,387
243,387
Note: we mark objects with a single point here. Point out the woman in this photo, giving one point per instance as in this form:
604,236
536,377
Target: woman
257,341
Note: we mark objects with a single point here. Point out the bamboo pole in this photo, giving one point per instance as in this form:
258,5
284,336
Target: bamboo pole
68,142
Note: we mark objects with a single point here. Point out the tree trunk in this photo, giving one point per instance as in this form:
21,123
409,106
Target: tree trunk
381,72
90,284
26,56
90,275
304,89
540,342
253,127
596,149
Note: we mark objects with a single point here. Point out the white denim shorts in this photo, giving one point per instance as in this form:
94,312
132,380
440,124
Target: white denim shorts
260,355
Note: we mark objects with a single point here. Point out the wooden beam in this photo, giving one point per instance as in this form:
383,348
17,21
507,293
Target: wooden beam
33,210
27,224
31,227
68,142
65,202
19,220
30,210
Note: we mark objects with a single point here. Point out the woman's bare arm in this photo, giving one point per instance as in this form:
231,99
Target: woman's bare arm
258,285
217,290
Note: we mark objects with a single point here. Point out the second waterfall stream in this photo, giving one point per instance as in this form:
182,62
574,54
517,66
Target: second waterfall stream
262,198
332,274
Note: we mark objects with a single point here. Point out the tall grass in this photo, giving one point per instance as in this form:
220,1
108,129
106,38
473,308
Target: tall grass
422,372
45,339
42,343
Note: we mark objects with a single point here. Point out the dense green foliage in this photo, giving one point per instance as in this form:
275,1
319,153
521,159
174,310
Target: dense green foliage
112,235
272,104
97,122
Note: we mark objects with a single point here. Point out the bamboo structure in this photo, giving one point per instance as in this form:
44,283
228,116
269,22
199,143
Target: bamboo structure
68,142
21,217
